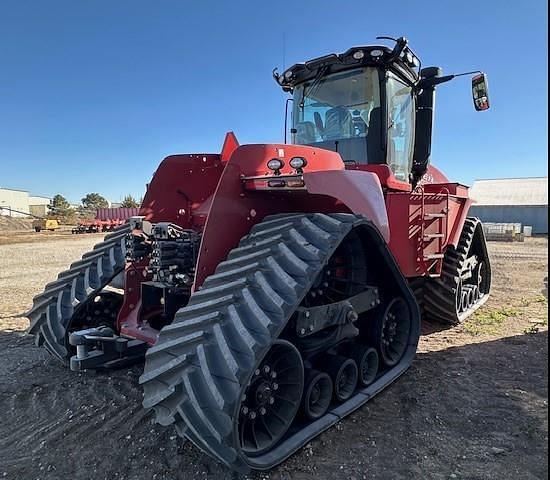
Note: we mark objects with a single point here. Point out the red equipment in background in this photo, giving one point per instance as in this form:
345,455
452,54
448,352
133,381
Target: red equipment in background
106,220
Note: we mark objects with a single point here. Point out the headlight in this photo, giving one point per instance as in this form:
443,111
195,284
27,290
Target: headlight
275,164
298,163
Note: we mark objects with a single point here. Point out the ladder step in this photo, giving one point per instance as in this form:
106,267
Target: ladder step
434,256
429,216
429,236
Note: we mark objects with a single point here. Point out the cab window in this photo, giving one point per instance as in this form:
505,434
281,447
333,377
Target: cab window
336,107
401,111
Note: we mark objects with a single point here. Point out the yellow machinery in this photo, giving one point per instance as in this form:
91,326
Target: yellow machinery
45,224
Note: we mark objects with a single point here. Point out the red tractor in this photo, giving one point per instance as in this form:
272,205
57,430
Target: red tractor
275,288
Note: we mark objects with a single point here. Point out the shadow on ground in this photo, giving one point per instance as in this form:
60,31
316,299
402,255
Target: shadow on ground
477,411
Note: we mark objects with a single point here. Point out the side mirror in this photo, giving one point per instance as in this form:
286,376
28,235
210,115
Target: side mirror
480,92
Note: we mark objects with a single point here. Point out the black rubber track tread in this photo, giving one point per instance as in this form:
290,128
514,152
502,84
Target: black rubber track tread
51,312
437,297
195,380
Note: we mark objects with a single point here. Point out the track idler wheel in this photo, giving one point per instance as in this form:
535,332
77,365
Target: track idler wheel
483,282
367,362
272,399
391,330
344,374
317,394
100,310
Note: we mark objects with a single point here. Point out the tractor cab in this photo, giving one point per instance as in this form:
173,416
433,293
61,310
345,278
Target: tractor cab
372,104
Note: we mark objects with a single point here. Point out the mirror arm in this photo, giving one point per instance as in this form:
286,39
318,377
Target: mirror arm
433,81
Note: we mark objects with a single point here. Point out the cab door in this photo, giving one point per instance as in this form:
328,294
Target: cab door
400,108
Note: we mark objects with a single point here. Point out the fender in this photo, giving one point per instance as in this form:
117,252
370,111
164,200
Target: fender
360,191
328,187
180,186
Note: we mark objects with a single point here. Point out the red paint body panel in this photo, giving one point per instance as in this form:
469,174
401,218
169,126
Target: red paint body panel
409,226
224,195
360,191
230,144
328,188
181,184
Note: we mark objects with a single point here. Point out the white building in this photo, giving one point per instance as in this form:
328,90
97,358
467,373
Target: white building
14,203
38,205
18,203
512,200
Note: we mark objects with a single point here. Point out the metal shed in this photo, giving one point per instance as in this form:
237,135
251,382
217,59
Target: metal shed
512,200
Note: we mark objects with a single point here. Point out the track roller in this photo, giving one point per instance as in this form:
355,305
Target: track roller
344,374
317,394
367,362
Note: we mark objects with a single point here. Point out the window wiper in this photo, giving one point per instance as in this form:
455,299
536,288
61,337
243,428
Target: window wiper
313,86
355,104
302,101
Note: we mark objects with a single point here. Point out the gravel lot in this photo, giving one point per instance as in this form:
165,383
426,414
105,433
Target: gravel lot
473,406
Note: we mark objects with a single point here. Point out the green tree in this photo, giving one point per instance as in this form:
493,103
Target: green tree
90,203
61,209
94,201
129,202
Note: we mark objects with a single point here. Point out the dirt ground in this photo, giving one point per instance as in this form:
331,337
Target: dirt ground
474,405
30,236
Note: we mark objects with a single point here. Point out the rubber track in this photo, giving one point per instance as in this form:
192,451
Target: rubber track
195,374
52,310
439,295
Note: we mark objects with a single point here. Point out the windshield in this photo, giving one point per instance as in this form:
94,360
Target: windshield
338,109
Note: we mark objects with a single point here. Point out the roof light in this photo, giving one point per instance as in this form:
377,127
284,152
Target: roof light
376,53
358,55
275,164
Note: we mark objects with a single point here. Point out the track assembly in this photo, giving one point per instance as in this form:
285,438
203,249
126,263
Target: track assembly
211,370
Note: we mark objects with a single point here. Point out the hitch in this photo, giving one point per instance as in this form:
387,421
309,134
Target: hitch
101,348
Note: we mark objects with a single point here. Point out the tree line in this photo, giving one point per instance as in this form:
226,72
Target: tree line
61,209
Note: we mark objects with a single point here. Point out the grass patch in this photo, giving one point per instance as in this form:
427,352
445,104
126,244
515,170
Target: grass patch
488,321
525,302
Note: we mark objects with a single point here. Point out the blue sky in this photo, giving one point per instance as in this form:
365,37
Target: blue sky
93,94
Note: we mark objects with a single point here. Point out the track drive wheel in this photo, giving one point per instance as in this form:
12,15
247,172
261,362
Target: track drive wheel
272,399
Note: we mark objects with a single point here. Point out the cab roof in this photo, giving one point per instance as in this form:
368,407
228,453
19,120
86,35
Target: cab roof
407,63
